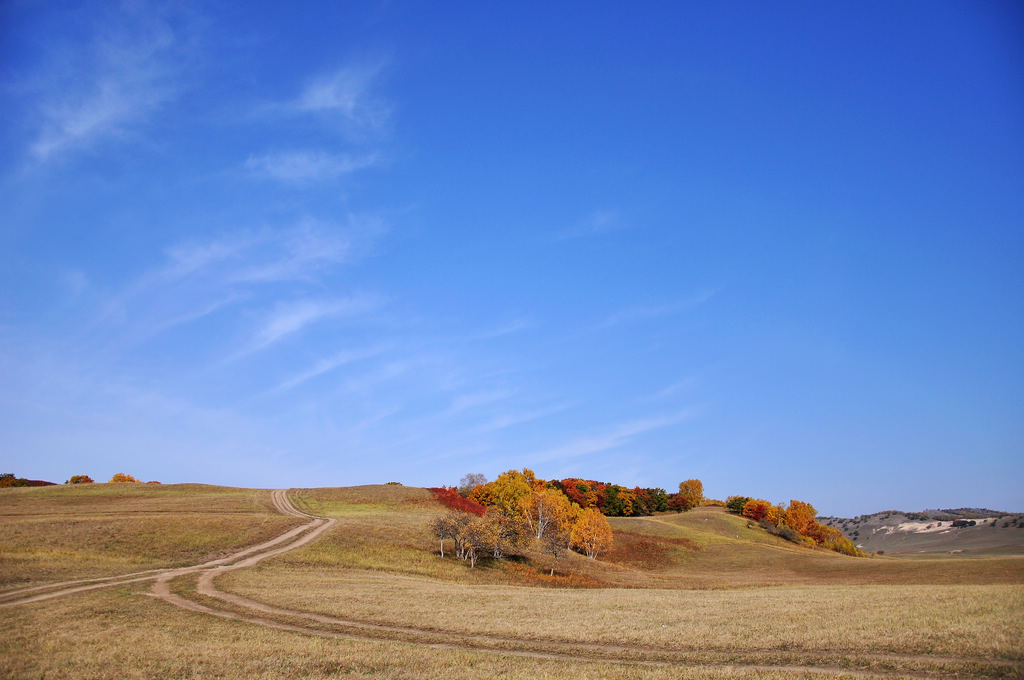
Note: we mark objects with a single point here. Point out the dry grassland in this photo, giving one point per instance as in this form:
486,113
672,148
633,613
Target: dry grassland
122,633
698,595
89,530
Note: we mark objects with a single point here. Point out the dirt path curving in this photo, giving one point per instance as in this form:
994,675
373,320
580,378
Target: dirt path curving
279,497
239,608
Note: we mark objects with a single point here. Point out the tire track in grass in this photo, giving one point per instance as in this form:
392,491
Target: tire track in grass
49,591
249,611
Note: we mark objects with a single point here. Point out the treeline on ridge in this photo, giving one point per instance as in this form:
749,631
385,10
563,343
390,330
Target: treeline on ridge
797,523
612,500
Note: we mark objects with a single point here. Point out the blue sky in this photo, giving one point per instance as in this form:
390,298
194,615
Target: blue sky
777,248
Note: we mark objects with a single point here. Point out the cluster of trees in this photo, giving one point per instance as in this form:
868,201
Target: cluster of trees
124,478
521,513
798,523
7,479
615,500
612,500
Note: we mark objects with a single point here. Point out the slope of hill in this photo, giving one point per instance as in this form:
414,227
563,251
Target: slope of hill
957,531
89,530
680,596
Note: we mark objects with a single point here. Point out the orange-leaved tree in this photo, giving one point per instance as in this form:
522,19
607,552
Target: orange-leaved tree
800,517
80,479
592,533
120,478
756,508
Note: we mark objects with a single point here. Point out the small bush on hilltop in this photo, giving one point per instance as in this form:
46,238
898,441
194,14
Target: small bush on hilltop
80,479
122,478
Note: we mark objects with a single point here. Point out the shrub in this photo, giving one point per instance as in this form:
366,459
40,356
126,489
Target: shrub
80,479
122,478
736,503
757,509
449,496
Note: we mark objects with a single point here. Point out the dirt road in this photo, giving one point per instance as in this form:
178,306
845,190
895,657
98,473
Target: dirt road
280,500
214,602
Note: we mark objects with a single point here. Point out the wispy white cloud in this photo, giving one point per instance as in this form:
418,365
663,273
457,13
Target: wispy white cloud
466,402
291,317
613,438
303,167
125,71
634,314
200,278
330,364
514,418
644,313
671,390
346,93
506,329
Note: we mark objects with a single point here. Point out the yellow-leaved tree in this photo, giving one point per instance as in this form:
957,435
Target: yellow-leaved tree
546,509
121,477
506,491
591,533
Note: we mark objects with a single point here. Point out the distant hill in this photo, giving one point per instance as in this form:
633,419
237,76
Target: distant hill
959,530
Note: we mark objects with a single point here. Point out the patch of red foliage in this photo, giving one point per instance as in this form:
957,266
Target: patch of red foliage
449,496
153,482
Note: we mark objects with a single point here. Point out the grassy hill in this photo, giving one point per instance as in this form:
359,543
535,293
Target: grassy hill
968,531
693,595
89,530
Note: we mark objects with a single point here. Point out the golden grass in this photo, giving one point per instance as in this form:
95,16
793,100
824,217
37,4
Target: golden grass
940,620
386,528
90,530
698,588
121,633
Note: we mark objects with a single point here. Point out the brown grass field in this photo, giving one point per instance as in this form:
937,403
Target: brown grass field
697,595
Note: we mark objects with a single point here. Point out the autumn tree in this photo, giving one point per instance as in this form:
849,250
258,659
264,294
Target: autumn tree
457,521
80,479
756,508
800,516
474,538
120,478
544,509
506,491
691,494
553,543
471,481
736,503
444,527
504,534
586,494
592,533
